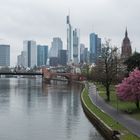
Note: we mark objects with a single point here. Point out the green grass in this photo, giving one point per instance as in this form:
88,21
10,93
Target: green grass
129,107
126,135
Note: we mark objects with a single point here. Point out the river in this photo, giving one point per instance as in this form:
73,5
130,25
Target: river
31,110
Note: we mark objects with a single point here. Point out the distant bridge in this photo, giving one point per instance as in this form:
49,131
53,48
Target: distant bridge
21,73
49,75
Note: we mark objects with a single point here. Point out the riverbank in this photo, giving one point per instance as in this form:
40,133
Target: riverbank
127,107
106,124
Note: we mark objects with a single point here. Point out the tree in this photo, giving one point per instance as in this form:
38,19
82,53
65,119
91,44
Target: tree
132,62
129,89
106,67
85,70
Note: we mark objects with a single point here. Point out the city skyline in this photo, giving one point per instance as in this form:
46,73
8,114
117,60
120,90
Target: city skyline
43,20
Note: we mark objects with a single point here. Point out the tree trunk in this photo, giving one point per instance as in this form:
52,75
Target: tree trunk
137,104
108,92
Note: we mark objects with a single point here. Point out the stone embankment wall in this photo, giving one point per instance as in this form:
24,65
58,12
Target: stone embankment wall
105,130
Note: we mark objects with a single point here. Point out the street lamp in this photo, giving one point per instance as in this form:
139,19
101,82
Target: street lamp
117,106
117,110
96,95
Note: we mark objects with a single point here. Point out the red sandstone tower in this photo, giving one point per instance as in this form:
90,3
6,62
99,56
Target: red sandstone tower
126,47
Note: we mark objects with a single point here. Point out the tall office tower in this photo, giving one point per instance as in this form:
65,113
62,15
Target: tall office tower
86,55
56,45
53,61
30,49
62,57
76,47
69,42
95,47
82,48
4,55
126,47
21,59
42,55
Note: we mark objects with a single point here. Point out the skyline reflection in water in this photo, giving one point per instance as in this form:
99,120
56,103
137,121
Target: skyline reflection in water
32,110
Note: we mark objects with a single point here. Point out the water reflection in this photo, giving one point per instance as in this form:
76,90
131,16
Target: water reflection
4,95
38,111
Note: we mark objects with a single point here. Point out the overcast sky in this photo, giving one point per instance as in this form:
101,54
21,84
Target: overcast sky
41,20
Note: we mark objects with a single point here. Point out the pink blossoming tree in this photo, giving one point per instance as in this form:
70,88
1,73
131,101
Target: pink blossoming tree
129,89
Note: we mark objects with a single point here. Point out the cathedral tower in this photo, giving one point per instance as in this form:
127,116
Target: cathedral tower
126,47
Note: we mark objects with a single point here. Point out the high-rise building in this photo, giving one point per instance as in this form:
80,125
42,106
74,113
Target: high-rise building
82,48
126,47
95,47
73,47
53,61
62,57
56,45
76,47
21,59
69,41
86,56
42,55
4,55
30,49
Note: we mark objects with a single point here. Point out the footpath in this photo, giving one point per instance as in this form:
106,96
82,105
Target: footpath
128,122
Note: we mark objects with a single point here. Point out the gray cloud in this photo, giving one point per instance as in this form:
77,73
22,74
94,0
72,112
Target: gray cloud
42,20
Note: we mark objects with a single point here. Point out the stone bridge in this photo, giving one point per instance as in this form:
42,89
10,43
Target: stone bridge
49,75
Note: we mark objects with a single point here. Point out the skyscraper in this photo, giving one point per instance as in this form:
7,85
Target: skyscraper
73,47
42,55
21,60
56,45
95,47
4,55
30,49
126,47
69,41
76,47
62,57
82,48
86,56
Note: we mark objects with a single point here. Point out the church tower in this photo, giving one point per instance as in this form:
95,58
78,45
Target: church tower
126,47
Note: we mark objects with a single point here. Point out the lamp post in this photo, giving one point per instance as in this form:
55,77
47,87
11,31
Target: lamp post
117,106
96,95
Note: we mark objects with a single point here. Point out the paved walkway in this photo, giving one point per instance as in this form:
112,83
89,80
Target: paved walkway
128,122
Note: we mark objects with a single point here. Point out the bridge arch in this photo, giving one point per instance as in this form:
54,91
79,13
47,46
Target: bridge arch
48,75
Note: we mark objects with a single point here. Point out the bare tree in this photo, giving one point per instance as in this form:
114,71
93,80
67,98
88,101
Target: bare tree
106,67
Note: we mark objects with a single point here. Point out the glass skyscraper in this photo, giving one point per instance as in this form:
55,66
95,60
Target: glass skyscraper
4,55
69,41
95,47
42,55
62,57
30,49
73,47
76,47
56,45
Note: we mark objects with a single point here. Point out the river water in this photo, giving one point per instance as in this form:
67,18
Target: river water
31,110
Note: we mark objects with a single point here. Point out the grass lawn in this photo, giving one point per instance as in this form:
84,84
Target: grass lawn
128,107
126,135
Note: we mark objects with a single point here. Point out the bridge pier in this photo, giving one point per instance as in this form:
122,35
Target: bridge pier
47,80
